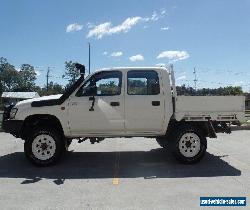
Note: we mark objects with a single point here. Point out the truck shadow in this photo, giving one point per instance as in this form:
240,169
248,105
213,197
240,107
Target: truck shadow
156,163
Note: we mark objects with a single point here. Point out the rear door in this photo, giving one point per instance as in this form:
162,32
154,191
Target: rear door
144,102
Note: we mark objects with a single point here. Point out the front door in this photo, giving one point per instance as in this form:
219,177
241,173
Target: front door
144,102
98,106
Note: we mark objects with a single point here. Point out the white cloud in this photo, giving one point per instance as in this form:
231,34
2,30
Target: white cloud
238,83
74,27
138,57
164,28
174,55
163,11
161,64
38,73
100,30
156,16
116,54
105,53
90,25
107,28
181,77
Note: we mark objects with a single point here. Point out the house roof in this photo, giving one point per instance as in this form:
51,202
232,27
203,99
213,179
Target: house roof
21,95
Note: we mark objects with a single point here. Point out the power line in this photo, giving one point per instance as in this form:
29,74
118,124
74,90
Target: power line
221,71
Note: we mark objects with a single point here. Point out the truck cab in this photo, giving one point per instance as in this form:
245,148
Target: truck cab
120,102
115,102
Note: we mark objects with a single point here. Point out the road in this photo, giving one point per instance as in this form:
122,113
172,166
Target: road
124,174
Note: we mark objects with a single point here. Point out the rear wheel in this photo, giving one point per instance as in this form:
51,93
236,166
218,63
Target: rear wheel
44,147
188,144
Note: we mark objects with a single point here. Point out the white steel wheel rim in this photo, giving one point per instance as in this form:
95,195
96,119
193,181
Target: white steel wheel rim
43,147
189,145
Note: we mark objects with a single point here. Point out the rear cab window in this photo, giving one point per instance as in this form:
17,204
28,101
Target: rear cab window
143,82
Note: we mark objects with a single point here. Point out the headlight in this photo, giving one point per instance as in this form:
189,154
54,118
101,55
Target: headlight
13,113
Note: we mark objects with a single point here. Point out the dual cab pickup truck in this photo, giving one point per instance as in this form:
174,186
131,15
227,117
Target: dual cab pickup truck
122,102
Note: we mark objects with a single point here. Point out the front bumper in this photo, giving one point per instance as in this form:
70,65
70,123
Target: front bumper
13,127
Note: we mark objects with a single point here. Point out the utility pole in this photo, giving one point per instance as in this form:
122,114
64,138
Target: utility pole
47,76
89,57
195,79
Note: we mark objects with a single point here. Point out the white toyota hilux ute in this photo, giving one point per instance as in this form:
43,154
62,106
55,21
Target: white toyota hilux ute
122,102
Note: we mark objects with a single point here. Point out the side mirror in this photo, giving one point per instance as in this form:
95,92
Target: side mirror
80,68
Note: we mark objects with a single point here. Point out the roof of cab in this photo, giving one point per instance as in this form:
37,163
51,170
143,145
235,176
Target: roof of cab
134,68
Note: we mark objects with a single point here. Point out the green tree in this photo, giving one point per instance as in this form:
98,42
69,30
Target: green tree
53,89
3,62
71,73
9,77
108,88
27,77
221,91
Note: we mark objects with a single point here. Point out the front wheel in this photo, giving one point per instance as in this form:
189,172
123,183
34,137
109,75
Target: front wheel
44,147
188,144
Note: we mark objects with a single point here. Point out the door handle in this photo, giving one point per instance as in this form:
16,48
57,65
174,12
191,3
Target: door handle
156,103
114,103
74,103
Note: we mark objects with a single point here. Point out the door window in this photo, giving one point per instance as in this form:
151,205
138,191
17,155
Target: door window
102,84
143,82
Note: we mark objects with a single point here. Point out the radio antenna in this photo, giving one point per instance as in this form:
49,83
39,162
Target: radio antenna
89,57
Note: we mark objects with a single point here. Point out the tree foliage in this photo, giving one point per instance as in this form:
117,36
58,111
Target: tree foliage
24,80
27,78
13,80
71,73
53,89
109,88
221,91
9,77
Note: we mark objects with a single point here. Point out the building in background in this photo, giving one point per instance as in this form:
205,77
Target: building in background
14,97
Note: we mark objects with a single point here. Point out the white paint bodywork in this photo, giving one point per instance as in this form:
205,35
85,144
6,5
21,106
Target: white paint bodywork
218,108
20,95
135,116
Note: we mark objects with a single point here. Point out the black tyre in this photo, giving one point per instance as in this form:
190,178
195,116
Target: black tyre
68,142
163,142
188,144
44,147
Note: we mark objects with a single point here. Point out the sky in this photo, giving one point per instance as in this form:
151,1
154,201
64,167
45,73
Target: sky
211,36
